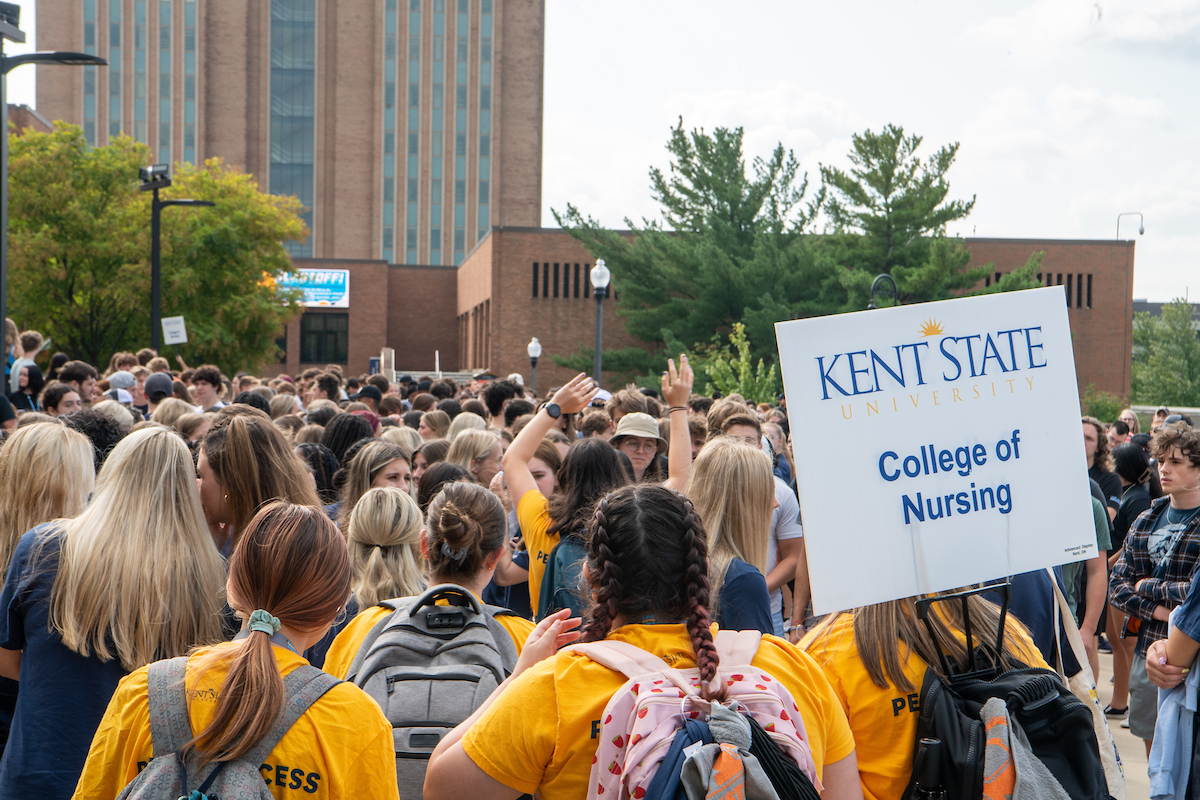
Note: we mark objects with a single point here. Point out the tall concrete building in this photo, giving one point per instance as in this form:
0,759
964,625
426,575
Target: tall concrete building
407,127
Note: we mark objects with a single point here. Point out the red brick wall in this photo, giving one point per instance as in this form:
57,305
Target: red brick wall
421,316
1102,333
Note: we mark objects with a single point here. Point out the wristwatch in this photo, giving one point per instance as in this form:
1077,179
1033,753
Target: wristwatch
553,410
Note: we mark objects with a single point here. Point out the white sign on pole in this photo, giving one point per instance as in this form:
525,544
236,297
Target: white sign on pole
174,331
937,445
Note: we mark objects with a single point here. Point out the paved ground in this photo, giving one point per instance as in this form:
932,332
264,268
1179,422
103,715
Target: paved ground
1132,749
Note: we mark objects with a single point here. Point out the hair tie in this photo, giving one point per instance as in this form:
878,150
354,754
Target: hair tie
458,554
263,622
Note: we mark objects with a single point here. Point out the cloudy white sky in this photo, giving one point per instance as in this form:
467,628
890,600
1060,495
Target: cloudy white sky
1068,112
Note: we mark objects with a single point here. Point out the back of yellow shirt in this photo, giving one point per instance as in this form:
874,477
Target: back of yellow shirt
341,747
884,720
533,515
540,734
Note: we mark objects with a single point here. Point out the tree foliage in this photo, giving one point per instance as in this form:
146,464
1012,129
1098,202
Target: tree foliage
1166,357
894,199
735,372
79,245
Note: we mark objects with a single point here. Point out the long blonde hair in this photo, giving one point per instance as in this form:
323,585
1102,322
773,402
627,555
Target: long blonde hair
170,410
733,490
406,437
885,634
359,474
385,546
47,471
138,566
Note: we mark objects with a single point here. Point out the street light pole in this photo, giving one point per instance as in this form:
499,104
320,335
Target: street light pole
600,276
883,278
1141,222
154,178
10,20
534,349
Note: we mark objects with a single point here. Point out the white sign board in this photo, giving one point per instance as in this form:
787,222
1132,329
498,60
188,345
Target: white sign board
937,445
174,331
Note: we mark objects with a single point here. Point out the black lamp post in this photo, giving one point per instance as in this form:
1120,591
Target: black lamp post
154,178
875,287
1141,222
10,19
600,276
534,348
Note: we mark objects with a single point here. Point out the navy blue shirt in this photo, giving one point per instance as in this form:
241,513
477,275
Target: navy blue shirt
1187,617
745,603
63,694
316,654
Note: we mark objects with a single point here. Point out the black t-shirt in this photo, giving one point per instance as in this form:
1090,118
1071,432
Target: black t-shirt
1110,484
6,410
1135,502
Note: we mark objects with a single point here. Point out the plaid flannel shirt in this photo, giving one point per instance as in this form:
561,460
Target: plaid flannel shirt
1135,564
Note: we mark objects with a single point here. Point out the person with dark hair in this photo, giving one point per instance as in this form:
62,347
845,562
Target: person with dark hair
323,464
590,470
288,579
327,386
450,407
463,540
516,408
344,430
435,479
59,399
29,387
1159,556
647,570
56,364
253,399
103,431
426,455
321,416
443,389
1095,446
498,393
81,377
412,419
1118,434
207,388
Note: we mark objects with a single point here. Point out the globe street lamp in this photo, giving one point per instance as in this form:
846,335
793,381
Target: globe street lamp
875,287
10,19
154,178
534,348
600,277
1141,222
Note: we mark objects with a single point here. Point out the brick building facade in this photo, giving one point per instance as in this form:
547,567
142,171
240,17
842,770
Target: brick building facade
524,282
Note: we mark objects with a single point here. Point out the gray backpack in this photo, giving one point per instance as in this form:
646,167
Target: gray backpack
168,777
429,667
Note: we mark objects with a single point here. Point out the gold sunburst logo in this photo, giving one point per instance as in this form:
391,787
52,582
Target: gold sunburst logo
932,327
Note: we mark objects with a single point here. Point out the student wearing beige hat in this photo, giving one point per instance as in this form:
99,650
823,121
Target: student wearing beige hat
637,436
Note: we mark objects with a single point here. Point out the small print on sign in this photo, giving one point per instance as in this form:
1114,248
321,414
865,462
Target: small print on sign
174,331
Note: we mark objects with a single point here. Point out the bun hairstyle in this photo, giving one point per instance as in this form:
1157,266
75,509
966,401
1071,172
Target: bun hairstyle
466,524
290,561
384,539
647,553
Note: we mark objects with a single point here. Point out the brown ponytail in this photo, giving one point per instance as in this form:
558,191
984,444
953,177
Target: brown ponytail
291,561
465,525
648,554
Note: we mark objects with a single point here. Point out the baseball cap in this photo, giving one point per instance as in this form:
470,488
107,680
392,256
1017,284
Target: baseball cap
121,379
158,387
368,391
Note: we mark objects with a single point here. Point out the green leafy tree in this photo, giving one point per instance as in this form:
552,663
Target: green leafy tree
1104,406
79,245
729,240
1166,357
735,372
893,198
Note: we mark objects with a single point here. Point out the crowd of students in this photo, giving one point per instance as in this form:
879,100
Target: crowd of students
254,525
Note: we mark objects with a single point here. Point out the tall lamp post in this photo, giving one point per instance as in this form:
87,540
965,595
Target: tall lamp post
1141,222
875,288
154,178
600,277
10,19
534,348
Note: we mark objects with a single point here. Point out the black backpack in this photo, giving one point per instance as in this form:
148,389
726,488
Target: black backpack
562,582
949,754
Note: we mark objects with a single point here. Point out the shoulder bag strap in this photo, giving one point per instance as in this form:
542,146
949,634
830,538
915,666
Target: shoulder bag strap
302,687
622,657
170,725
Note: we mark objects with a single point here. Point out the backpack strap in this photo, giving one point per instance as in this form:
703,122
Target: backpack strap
737,647
170,725
622,657
504,640
303,686
395,605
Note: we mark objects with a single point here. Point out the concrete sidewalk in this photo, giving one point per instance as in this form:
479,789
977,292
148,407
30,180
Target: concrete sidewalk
1131,748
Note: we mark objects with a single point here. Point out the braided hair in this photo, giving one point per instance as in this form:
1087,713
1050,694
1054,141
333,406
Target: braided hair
648,553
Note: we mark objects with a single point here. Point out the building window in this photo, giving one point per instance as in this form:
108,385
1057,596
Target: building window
293,86
324,338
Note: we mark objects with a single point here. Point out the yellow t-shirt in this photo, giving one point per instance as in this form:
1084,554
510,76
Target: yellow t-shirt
347,643
884,721
341,747
533,515
540,734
